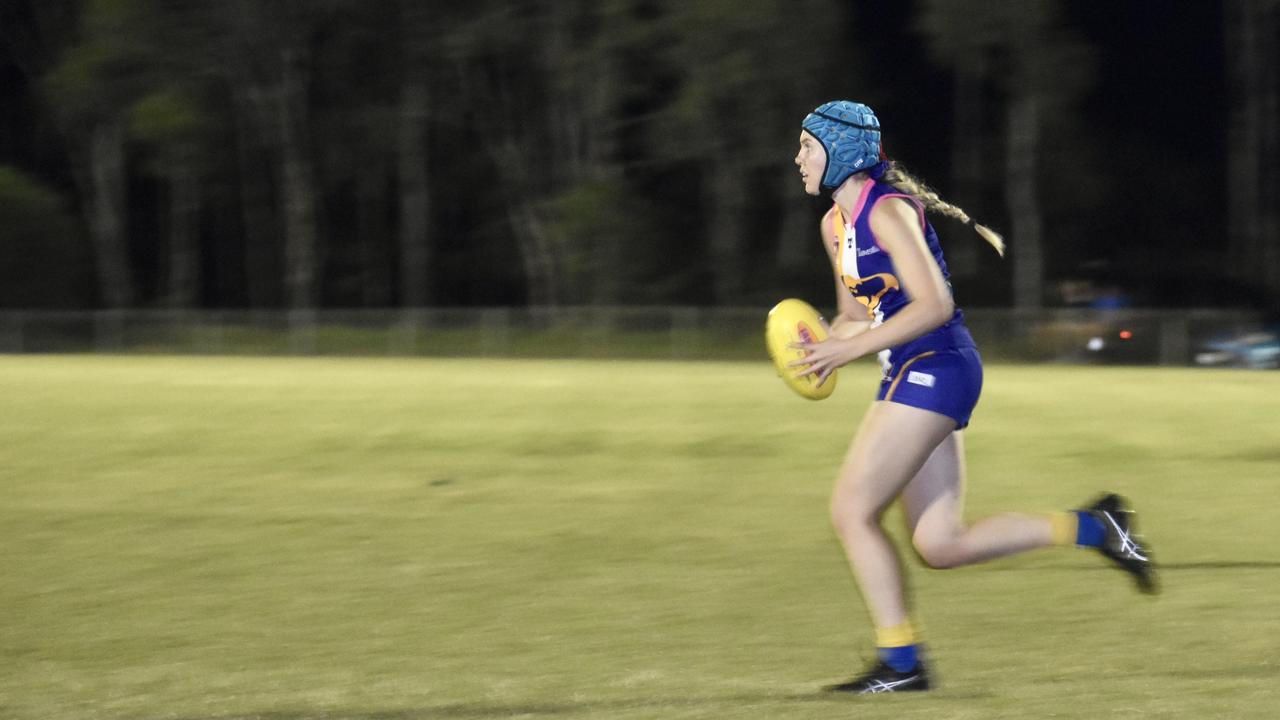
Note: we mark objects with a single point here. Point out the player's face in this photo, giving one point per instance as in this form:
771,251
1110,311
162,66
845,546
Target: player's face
812,160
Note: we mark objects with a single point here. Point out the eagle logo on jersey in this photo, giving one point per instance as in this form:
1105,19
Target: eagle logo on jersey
871,289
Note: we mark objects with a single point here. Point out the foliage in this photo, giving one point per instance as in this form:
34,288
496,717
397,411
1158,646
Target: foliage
745,76
39,245
163,117
103,72
282,136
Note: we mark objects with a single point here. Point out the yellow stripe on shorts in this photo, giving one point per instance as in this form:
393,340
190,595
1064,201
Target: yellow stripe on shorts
901,373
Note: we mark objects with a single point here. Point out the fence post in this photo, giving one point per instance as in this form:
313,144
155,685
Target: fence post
214,327
684,331
302,331
108,330
12,338
599,331
495,331
1175,342
403,339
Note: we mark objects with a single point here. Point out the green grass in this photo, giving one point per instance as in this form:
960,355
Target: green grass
286,538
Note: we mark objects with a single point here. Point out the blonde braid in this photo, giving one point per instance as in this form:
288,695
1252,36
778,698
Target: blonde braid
900,179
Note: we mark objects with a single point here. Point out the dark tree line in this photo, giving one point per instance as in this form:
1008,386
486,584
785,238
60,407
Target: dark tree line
278,153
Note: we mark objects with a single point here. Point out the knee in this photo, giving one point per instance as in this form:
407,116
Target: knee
851,518
939,553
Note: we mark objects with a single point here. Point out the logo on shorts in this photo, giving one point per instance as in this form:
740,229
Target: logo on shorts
919,378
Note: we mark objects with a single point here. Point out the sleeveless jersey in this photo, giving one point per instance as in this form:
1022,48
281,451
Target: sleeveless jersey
869,276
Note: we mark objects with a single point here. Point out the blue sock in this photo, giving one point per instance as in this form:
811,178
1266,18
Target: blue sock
1089,532
902,659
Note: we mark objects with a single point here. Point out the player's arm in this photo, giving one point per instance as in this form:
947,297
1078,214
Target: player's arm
851,316
897,225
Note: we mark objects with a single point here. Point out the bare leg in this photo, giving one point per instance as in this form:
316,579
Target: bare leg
934,506
891,447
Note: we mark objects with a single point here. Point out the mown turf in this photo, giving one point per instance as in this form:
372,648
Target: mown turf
221,538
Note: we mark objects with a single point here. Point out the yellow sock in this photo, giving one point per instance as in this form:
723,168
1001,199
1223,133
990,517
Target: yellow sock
1064,527
897,636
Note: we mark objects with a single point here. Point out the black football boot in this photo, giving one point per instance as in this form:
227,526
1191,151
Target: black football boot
1120,543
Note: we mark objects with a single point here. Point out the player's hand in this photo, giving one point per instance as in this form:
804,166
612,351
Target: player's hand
824,358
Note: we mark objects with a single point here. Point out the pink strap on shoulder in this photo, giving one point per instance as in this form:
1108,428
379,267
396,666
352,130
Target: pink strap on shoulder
904,196
909,198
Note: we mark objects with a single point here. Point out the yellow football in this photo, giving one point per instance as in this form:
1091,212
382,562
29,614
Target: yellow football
792,321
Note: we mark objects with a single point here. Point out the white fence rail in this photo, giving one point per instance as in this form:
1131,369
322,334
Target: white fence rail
1168,337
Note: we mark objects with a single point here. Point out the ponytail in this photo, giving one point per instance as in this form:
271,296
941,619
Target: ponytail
896,176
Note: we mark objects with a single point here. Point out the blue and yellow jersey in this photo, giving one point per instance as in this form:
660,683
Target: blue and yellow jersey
869,275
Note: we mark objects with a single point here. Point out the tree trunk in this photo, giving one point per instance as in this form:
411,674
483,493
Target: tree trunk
184,249
106,213
536,254
726,232
415,197
298,183
1269,192
1253,179
513,147
1021,193
538,251
374,234
564,106
596,124
262,249
966,158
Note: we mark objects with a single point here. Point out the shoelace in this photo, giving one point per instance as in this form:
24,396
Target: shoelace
881,686
1128,547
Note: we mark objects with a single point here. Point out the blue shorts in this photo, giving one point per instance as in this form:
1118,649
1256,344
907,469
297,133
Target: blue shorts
944,381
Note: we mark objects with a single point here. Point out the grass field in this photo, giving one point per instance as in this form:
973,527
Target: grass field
233,538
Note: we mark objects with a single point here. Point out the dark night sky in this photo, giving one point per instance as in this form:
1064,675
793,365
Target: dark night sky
1161,100
1157,103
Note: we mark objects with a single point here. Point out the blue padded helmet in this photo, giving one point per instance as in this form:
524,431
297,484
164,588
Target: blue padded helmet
850,133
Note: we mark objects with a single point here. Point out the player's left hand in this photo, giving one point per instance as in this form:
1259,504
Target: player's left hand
823,358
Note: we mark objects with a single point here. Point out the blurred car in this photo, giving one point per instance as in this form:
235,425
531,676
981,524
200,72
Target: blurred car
1258,349
1122,343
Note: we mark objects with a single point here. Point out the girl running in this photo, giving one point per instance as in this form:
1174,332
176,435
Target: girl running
895,301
